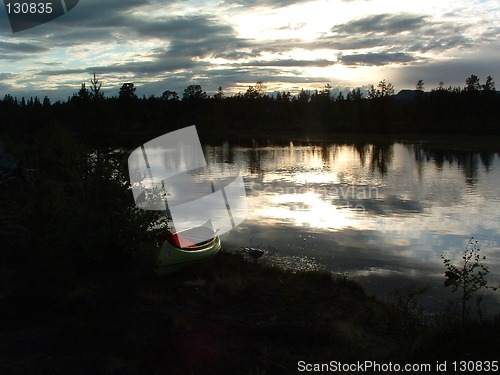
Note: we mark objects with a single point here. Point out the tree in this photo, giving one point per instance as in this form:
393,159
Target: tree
251,93
286,96
46,102
169,95
420,85
194,92
83,93
326,92
260,87
489,86
127,91
220,93
355,94
257,91
304,96
472,84
95,90
9,100
372,92
383,90
469,276
283,97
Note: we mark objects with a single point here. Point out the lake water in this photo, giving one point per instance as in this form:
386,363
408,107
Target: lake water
380,214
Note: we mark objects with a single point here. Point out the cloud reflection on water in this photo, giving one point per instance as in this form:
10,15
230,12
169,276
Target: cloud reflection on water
377,212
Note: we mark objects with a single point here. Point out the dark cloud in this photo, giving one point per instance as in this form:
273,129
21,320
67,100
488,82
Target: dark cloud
382,58
183,40
346,42
7,47
405,32
195,36
107,14
187,39
235,54
454,72
195,27
19,51
386,24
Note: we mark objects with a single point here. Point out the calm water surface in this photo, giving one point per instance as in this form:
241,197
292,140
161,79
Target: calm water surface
382,214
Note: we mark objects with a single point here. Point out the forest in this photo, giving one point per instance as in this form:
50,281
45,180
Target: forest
472,109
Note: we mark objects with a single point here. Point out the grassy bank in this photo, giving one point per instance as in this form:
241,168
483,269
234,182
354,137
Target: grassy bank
224,316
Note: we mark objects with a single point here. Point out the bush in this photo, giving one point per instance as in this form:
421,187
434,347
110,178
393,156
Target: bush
469,277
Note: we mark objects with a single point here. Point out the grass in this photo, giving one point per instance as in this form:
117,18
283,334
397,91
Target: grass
222,316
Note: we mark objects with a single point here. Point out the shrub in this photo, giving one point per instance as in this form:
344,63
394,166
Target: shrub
469,276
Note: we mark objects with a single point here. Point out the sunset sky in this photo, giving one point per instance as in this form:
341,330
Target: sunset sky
167,45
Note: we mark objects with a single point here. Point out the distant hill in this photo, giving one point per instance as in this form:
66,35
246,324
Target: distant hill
409,95
413,95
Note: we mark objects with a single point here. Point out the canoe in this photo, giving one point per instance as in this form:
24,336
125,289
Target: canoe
172,257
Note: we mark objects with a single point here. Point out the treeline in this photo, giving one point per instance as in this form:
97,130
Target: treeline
473,109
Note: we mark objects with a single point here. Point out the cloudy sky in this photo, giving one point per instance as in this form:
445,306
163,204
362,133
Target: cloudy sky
289,44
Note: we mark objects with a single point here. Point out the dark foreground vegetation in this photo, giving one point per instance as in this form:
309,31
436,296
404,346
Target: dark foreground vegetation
77,295
472,109
226,316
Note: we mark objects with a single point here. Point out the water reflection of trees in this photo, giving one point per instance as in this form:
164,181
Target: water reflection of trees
362,151
381,157
254,161
469,162
378,157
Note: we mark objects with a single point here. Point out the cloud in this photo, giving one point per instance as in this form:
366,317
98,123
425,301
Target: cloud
289,26
453,72
263,3
288,63
7,47
19,51
386,24
402,32
181,43
194,36
382,58
190,39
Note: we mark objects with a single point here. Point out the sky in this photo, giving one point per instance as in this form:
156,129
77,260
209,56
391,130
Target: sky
288,44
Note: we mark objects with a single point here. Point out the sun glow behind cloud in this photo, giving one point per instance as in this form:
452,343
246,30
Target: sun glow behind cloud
304,22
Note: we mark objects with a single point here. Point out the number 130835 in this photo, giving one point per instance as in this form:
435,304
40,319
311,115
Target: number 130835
29,8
